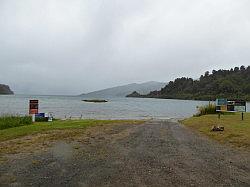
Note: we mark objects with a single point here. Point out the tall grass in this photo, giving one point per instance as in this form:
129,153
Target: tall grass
14,121
206,109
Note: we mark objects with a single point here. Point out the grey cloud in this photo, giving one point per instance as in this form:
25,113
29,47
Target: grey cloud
70,47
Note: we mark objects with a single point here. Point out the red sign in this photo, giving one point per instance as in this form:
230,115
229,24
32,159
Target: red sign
33,107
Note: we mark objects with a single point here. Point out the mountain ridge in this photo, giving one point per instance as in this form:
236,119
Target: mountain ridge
123,90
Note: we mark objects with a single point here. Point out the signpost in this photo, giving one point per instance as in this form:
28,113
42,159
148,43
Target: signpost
223,105
34,112
33,109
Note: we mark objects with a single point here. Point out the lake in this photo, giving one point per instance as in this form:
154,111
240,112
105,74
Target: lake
116,108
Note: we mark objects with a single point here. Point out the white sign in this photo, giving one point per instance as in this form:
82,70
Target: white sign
240,108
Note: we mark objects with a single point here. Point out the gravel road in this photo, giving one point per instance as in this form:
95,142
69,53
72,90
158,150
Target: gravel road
156,153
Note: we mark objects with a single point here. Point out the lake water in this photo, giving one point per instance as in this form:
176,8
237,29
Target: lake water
116,108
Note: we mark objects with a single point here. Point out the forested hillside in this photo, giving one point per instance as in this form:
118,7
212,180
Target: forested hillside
233,83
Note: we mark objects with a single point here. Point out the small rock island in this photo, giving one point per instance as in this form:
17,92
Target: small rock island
95,100
5,90
134,94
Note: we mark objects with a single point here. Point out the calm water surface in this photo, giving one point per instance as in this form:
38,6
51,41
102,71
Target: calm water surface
116,108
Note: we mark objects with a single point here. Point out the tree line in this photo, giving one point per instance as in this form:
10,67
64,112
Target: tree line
231,84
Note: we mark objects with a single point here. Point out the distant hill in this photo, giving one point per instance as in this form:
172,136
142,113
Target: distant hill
122,91
231,84
5,90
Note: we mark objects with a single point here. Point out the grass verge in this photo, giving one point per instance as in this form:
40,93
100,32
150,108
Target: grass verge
40,127
14,121
236,133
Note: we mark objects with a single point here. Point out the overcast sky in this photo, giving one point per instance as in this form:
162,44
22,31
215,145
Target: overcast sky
76,46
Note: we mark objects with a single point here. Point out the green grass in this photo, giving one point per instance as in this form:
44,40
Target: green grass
14,121
40,127
237,132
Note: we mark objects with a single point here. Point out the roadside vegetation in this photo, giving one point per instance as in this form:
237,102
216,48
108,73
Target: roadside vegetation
206,109
41,127
14,121
41,135
236,133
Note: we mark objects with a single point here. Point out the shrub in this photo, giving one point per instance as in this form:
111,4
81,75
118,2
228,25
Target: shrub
41,119
14,121
207,109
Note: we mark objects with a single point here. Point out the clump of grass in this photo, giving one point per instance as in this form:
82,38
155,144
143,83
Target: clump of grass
14,121
206,109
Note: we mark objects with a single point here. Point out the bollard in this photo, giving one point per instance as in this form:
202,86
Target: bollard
33,118
50,118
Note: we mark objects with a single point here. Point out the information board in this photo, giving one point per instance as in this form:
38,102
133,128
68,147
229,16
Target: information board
221,105
240,106
33,107
224,105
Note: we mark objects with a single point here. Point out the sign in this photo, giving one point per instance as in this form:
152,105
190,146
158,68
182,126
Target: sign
221,102
40,115
33,109
240,106
223,105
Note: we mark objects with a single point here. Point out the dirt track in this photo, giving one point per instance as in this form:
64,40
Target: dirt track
157,153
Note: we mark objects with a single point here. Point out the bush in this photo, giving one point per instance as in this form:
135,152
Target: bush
41,119
207,109
14,121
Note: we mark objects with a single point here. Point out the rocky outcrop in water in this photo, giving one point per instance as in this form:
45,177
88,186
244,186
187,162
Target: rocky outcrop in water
5,90
134,94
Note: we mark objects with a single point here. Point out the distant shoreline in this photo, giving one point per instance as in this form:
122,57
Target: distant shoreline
183,98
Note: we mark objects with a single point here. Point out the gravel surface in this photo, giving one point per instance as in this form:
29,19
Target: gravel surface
157,153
